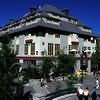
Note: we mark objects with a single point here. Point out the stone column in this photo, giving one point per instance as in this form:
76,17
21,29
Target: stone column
77,67
89,66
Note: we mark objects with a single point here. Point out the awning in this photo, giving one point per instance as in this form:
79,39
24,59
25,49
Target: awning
73,50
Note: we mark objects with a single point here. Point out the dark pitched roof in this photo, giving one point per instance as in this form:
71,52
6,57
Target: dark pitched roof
69,27
64,26
82,24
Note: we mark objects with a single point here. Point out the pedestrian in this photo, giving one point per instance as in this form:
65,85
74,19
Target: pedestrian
42,82
86,93
94,73
94,94
80,93
97,83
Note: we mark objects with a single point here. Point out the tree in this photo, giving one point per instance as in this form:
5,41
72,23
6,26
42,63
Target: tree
31,72
95,60
7,73
47,65
66,64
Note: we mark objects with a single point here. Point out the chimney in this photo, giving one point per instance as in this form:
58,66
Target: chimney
66,12
32,9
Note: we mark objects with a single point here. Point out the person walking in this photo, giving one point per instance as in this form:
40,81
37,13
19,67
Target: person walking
94,73
80,93
97,83
94,94
86,94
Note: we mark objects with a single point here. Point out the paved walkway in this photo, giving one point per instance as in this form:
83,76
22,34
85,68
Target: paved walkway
89,81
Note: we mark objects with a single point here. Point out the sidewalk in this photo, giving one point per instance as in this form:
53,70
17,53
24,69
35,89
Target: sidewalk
88,81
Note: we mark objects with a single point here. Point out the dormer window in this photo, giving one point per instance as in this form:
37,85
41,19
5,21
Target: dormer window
29,41
92,40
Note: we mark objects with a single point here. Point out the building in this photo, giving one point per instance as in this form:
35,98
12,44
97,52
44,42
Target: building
46,31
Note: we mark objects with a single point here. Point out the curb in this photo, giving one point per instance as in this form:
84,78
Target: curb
65,96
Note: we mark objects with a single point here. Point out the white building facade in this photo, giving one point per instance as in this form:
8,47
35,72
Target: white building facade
48,31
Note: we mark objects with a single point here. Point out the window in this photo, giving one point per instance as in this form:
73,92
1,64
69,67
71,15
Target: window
28,41
93,48
42,53
32,48
40,34
93,41
84,48
57,49
74,45
43,43
17,49
50,49
12,48
30,62
70,47
36,52
89,48
26,48
57,35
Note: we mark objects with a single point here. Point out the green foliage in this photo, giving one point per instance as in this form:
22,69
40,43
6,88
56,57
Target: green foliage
47,65
66,64
7,74
31,72
73,79
96,57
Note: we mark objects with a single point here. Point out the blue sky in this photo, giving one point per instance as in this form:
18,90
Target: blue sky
87,11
